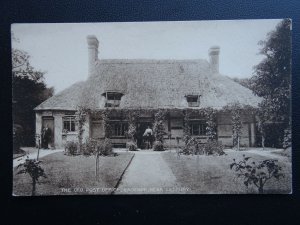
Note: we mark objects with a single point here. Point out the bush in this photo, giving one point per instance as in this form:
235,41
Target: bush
104,147
213,147
158,146
71,148
89,147
257,173
193,146
131,146
17,137
287,141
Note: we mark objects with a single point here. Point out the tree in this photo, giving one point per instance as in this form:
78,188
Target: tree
257,173
35,171
272,79
29,90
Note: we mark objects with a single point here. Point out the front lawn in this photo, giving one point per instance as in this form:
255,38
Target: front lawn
69,175
212,174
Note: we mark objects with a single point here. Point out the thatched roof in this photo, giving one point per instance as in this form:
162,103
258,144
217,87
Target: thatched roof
153,84
64,100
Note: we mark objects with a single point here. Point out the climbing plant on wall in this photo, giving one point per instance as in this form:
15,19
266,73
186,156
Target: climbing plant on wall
158,126
132,117
235,111
80,118
211,123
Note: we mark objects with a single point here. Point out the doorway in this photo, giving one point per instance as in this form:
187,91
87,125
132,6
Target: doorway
141,127
48,121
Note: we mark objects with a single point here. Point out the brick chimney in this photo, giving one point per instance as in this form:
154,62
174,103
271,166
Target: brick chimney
214,52
93,44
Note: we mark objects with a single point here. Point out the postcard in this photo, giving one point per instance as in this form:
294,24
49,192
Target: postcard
178,107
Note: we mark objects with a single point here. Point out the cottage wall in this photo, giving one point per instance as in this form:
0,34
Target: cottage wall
60,138
224,130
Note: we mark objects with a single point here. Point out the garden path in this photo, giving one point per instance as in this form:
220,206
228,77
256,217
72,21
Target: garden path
31,153
148,173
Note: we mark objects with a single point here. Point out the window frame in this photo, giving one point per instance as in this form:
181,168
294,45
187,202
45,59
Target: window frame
121,131
112,98
69,119
201,127
193,100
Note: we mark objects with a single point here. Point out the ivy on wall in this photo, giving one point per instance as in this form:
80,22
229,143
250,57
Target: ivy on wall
133,115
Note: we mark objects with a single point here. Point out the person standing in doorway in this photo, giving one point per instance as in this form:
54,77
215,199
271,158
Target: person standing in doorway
148,137
46,136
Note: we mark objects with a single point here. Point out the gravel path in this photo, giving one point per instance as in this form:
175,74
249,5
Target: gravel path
148,173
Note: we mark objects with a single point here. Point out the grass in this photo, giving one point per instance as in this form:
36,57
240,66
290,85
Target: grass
212,175
71,175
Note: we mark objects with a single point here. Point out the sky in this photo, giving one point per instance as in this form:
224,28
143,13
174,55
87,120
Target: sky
60,49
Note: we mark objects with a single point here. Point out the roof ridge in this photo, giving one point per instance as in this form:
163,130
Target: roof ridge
149,61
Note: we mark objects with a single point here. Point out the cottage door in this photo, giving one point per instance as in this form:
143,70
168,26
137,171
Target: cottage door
142,126
48,121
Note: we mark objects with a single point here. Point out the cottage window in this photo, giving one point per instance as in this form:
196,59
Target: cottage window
69,123
198,128
112,99
193,100
119,129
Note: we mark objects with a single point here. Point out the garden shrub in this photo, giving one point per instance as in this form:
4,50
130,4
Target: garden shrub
257,173
131,146
17,137
287,140
71,148
193,146
213,147
89,147
35,171
158,146
104,147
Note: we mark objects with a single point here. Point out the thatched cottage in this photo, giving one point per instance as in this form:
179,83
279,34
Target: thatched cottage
123,85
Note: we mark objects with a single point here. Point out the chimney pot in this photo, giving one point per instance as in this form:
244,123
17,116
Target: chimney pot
93,45
214,52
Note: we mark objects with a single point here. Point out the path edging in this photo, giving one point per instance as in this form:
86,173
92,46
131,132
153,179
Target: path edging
121,177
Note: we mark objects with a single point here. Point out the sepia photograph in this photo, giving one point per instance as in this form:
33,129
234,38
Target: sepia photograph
138,108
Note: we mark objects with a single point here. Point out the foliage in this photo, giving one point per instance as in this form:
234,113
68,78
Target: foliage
89,147
211,124
17,137
80,117
71,148
213,147
158,126
195,147
28,91
104,147
158,146
287,142
257,173
236,110
272,79
132,117
131,146
192,146
35,171
186,125
107,127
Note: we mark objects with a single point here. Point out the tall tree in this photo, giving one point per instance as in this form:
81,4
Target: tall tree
29,90
272,78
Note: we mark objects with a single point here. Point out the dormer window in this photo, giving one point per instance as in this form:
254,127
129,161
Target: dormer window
193,100
113,98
